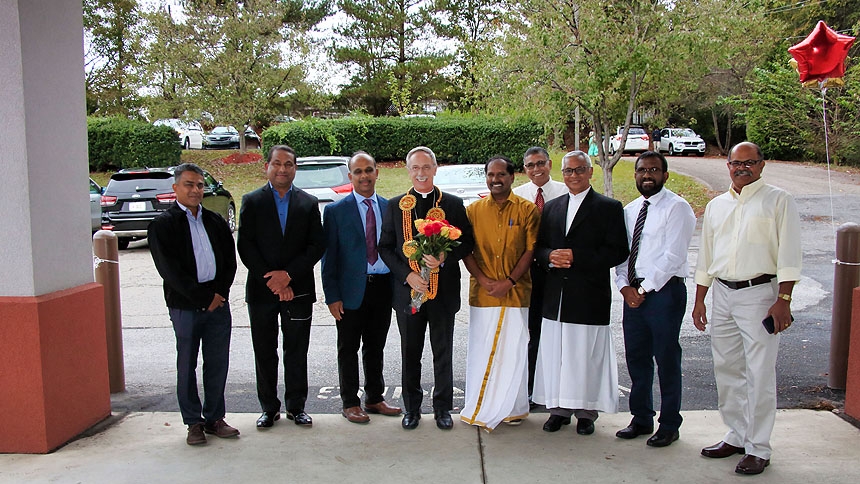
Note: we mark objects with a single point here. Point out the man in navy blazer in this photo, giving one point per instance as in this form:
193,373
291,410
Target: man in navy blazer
280,241
357,286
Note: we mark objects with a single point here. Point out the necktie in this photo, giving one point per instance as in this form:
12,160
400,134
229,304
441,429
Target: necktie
539,199
634,244
370,233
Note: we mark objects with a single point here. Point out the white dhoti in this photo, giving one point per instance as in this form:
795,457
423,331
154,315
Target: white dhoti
576,367
496,366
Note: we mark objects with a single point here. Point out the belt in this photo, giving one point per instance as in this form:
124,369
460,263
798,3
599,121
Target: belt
762,279
371,278
638,281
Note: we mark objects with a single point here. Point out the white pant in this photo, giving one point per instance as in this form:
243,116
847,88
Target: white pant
745,364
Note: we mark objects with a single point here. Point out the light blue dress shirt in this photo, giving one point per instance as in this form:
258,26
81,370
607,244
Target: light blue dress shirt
203,255
379,267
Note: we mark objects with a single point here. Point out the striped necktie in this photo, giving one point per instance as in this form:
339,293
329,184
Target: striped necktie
634,244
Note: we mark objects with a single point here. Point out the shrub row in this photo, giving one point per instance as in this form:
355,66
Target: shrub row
116,143
454,140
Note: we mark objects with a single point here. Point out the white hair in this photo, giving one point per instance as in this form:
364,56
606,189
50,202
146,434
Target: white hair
422,149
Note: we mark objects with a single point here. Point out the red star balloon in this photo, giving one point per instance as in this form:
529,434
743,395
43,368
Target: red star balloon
822,54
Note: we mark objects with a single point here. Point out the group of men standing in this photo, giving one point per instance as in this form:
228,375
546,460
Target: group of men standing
540,258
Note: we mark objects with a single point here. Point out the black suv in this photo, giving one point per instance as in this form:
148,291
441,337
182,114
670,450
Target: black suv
133,197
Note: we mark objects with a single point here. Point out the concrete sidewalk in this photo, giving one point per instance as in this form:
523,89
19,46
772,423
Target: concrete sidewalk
809,446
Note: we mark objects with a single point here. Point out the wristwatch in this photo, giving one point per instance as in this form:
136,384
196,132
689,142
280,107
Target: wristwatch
783,296
641,290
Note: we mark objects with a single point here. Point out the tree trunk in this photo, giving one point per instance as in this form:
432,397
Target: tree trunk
716,121
607,180
242,144
728,133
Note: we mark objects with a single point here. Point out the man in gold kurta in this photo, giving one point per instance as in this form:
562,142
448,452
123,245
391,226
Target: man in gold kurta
505,227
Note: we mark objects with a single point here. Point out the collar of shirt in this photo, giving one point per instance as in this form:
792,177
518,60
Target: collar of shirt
579,196
653,199
278,195
424,195
188,212
748,191
360,199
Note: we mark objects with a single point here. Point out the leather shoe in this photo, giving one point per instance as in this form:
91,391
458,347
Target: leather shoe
663,438
443,420
268,419
355,415
634,430
752,464
382,408
195,435
410,420
584,426
300,418
219,428
554,423
721,450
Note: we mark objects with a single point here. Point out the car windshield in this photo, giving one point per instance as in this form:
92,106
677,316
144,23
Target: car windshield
685,133
460,175
224,130
321,176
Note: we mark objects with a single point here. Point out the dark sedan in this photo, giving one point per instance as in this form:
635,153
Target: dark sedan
226,137
134,197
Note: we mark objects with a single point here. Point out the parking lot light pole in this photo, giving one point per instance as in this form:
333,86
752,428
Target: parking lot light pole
106,268
846,276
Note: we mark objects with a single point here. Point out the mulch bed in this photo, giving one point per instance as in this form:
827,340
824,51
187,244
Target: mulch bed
242,159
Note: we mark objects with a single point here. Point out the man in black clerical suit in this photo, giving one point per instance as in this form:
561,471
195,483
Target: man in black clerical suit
280,240
437,313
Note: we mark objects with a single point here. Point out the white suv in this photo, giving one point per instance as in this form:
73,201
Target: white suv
190,132
637,140
681,141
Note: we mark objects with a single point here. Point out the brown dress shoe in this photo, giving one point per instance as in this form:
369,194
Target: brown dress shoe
721,450
221,429
195,435
355,415
752,464
382,408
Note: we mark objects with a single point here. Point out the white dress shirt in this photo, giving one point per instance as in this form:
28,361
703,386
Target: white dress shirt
749,234
664,242
551,189
573,205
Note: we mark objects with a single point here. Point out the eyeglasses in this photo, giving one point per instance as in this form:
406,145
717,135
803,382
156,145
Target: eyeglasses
530,166
744,163
642,170
579,170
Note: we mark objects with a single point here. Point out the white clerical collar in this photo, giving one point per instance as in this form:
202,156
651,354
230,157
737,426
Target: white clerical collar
425,195
580,195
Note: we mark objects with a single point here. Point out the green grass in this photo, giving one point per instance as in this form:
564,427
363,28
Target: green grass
394,180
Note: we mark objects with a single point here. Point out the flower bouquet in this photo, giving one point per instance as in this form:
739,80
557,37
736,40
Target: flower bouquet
434,237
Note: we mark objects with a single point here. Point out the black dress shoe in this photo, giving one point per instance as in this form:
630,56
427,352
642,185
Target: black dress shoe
443,419
410,420
554,423
634,430
721,450
663,438
300,418
751,465
584,426
268,419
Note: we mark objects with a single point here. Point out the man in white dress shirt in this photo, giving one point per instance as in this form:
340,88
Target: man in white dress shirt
751,245
540,189
660,225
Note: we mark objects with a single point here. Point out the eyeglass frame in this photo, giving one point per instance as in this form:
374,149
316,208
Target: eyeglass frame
579,170
541,163
642,170
744,163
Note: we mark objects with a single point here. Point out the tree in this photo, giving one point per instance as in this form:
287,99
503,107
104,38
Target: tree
112,46
227,58
606,57
384,37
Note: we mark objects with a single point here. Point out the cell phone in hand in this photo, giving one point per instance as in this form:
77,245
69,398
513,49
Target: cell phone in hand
768,323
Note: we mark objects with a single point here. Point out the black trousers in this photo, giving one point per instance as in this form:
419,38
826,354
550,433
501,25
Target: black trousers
535,318
295,318
413,327
367,327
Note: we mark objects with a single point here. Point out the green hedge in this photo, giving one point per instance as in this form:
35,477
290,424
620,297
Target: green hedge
116,143
454,140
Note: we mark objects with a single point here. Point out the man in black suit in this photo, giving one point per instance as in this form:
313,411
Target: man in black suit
357,286
280,240
194,253
421,201
581,237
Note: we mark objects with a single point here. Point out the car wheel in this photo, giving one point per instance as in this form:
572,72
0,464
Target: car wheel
187,144
231,217
122,243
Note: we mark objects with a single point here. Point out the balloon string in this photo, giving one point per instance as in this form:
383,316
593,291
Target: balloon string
827,152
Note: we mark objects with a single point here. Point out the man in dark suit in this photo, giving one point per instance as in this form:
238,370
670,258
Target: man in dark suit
421,201
194,253
357,286
280,240
581,237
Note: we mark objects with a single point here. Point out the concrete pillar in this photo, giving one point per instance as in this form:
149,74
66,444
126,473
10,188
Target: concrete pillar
53,360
